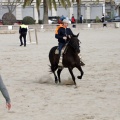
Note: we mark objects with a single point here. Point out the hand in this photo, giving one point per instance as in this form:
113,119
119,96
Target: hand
69,36
65,38
8,106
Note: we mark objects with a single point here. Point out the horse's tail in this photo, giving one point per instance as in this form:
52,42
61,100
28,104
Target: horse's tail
52,60
52,69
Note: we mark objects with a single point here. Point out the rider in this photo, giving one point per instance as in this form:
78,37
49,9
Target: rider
61,33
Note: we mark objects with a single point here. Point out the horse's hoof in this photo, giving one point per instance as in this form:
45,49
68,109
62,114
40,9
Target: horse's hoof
79,77
82,64
59,83
75,86
56,81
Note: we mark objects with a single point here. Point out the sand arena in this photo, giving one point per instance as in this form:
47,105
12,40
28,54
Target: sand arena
34,94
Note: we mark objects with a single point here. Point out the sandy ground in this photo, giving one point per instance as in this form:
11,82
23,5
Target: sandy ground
34,94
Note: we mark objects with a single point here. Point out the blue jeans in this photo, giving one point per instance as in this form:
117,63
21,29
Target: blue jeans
61,45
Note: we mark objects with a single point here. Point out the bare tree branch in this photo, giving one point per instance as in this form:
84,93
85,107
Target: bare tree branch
11,5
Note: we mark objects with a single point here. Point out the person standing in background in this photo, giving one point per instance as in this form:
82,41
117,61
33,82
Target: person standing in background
5,93
81,19
103,18
62,18
23,33
73,19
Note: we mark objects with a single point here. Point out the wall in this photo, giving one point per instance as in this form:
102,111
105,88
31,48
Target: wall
87,10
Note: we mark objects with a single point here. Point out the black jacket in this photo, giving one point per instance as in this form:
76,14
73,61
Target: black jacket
62,32
23,29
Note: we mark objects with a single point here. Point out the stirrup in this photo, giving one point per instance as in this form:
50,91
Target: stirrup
60,64
60,67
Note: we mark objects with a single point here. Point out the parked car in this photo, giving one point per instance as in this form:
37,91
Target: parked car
53,19
50,22
107,18
70,21
115,19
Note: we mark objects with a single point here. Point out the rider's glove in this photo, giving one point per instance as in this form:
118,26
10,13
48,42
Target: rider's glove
65,38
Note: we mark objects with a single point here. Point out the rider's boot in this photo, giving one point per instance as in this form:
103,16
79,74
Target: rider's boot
60,62
60,59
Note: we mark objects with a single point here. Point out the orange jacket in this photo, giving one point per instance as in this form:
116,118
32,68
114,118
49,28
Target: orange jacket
58,27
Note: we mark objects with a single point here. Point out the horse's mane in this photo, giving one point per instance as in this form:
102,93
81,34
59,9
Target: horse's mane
74,43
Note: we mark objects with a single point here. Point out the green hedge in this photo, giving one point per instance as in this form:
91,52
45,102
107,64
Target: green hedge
8,19
97,20
28,20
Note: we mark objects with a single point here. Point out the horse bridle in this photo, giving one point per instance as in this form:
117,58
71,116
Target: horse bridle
72,45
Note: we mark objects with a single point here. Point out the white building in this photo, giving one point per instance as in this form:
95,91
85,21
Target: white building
89,9
117,7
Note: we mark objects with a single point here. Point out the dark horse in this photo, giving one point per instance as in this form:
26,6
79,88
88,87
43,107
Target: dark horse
70,59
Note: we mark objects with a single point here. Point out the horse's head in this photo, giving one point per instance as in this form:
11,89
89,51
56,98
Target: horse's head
74,42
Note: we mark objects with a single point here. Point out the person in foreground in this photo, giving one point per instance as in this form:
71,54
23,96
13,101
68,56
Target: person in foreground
5,94
62,32
23,33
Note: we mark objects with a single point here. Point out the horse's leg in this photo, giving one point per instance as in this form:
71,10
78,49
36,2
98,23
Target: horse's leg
73,77
80,69
53,71
58,73
56,80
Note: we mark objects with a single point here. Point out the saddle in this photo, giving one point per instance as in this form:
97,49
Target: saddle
63,51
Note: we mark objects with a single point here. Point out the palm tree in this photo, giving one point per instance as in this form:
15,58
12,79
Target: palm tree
47,4
64,3
78,7
45,14
38,2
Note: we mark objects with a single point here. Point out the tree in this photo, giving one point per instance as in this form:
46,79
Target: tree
53,3
78,7
38,2
11,5
47,4
9,18
64,3
45,14
28,3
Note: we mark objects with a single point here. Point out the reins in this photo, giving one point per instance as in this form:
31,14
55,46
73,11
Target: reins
66,46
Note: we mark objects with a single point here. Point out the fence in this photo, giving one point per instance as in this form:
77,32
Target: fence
40,27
